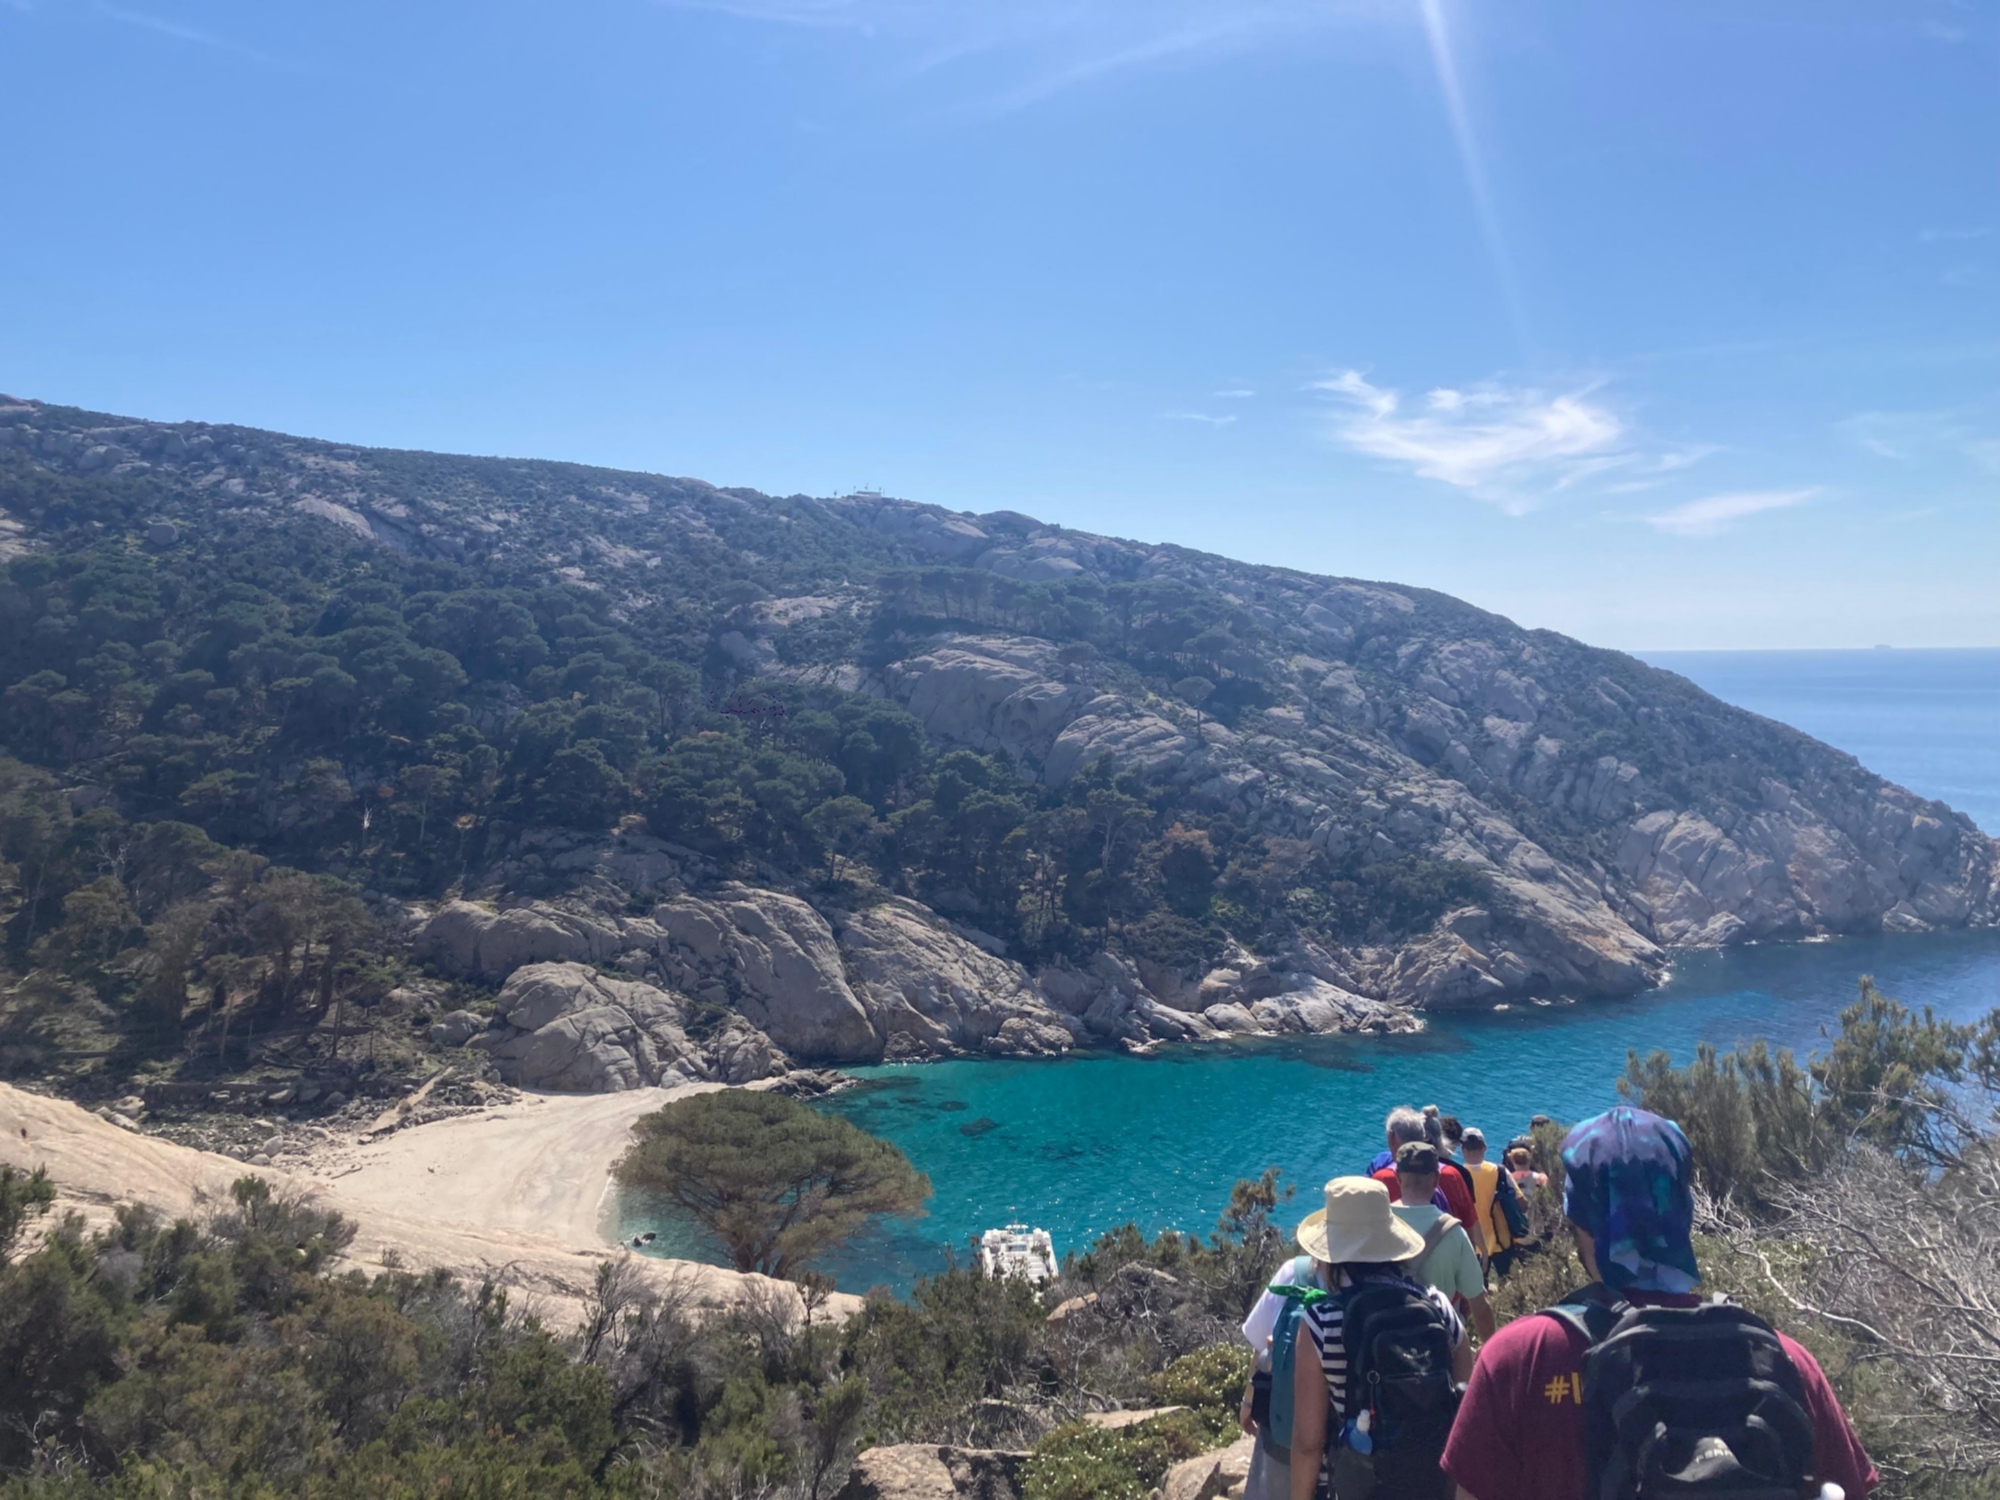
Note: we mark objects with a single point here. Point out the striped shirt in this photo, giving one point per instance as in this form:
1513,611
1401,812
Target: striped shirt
1322,1324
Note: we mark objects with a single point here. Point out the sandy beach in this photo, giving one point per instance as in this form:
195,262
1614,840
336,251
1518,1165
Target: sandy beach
517,1192
538,1166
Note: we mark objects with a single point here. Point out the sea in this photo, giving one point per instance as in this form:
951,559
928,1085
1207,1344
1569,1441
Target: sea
1082,1145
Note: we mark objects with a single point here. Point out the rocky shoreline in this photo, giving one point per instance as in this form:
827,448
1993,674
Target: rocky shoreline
1598,810
742,983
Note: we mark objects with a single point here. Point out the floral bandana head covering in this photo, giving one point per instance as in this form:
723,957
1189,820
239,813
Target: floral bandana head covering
1628,1186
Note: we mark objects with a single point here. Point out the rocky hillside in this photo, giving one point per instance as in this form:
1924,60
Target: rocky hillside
1034,788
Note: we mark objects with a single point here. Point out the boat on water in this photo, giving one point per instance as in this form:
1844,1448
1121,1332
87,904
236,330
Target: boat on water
1017,1250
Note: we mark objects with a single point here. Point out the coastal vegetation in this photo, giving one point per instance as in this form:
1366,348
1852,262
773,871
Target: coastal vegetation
227,762
1849,1197
777,1183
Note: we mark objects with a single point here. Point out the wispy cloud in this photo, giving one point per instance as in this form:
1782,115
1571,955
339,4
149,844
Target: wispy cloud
1954,236
1950,434
1649,472
1506,444
1235,393
1200,418
1719,513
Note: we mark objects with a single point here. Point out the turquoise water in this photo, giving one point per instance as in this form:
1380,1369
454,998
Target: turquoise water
1084,1144
1081,1145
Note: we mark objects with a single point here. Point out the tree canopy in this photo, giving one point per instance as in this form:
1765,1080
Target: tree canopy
778,1183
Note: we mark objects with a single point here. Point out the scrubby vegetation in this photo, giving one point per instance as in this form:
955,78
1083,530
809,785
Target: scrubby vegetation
231,1358
1850,1199
777,1184
232,755
1855,1197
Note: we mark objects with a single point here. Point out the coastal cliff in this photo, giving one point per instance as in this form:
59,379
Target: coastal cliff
750,780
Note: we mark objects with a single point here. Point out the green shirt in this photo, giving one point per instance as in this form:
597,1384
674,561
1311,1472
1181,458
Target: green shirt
1454,1266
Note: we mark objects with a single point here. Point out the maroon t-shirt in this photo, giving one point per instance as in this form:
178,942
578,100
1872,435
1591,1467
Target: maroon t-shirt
1519,1434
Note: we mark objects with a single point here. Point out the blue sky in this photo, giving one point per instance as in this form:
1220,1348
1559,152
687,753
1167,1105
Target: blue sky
1667,325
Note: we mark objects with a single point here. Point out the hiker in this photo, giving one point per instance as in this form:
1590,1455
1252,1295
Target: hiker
1448,1261
1521,1167
1632,1386
1503,1218
1453,1180
1403,1125
1377,1360
1270,1460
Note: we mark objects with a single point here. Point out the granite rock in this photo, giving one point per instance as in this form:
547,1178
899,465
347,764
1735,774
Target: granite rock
567,1028
778,961
930,992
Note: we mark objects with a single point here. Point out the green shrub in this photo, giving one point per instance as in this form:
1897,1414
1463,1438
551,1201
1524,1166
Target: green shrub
1082,1462
1209,1382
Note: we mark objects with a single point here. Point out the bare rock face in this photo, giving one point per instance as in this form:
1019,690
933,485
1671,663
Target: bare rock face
777,961
567,1028
1220,1475
466,938
931,993
926,1471
1609,808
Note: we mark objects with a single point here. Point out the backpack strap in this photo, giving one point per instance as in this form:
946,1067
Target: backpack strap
1433,1237
1592,1311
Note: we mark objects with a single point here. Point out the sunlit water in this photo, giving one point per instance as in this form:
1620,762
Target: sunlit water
1084,1144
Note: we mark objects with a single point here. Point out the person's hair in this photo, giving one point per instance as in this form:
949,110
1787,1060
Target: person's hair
1404,1125
1453,1130
1519,1154
1433,1126
1359,1267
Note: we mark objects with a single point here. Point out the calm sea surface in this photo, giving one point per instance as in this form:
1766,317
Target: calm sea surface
1081,1145
1927,719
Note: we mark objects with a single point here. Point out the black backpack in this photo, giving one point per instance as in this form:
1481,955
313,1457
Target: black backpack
1399,1372
1688,1401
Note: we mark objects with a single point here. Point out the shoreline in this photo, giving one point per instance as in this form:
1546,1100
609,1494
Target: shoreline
514,1193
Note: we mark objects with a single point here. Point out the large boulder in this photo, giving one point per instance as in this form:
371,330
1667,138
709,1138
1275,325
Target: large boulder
1220,1475
991,693
777,961
463,937
931,993
567,1028
928,1471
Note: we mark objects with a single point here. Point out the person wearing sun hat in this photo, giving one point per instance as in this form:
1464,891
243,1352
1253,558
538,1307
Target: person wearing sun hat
1354,1238
1629,1198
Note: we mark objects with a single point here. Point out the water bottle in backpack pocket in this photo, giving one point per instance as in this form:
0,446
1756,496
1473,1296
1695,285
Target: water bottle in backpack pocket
1695,1401
1400,1397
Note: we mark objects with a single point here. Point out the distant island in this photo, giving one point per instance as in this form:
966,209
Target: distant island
351,761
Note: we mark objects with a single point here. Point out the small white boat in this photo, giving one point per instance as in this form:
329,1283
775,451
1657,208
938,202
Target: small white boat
1019,1251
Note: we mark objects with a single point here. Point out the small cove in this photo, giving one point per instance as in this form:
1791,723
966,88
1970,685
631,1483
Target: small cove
1083,1144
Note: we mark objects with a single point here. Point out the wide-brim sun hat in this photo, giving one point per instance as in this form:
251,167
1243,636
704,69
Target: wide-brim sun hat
1357,1224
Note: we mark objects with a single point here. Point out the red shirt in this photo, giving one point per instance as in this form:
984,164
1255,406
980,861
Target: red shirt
1519,1434
1458,1200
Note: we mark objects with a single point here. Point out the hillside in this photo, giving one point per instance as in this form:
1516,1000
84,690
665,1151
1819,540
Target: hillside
707,781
